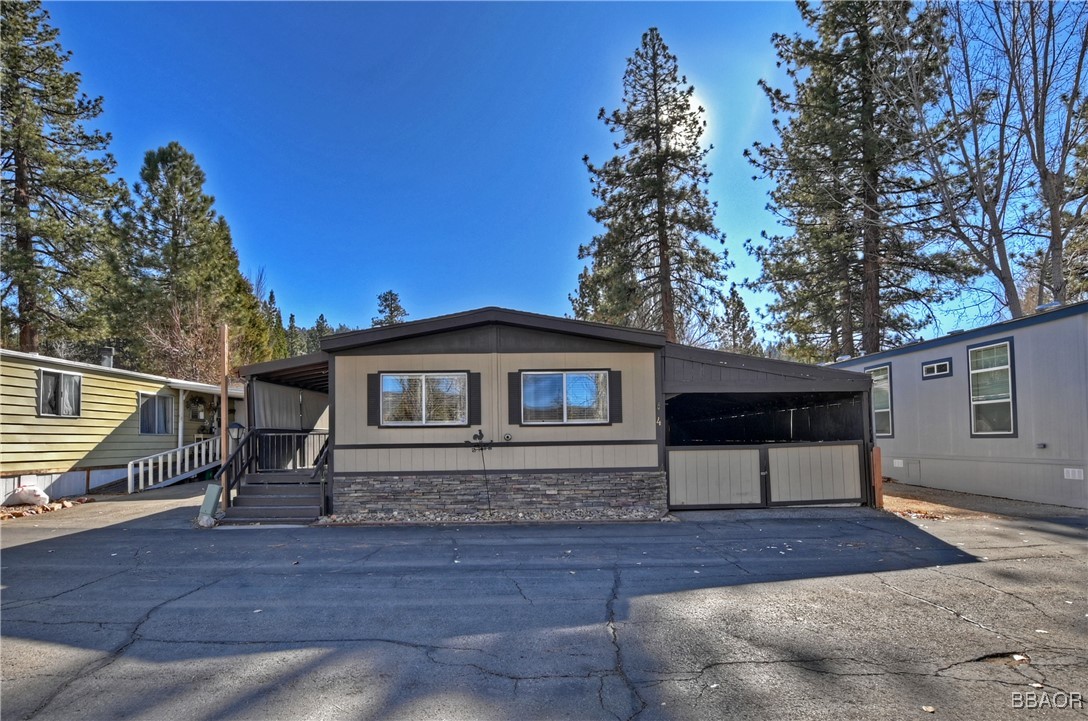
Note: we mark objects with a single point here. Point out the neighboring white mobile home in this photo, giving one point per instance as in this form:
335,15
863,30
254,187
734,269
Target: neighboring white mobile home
1000,410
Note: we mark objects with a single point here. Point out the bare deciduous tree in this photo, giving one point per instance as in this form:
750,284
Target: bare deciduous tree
1002,139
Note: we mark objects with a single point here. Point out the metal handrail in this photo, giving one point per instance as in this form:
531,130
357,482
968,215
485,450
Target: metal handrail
272,449
237,463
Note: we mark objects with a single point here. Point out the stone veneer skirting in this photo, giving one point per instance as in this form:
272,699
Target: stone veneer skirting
467,493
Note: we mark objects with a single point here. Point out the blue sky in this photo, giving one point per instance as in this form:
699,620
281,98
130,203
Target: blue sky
430,148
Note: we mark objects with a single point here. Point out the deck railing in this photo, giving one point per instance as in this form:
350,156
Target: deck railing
265,449
160,468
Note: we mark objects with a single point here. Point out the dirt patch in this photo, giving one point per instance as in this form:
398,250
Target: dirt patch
23,511
935,503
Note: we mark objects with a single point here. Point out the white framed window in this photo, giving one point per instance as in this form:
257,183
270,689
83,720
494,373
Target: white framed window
59,394
993,411
551,397
937,369
882,400
424,399
156,414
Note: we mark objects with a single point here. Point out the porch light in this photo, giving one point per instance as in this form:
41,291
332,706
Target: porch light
235,430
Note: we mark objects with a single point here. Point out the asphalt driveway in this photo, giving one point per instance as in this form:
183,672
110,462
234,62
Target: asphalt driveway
123,610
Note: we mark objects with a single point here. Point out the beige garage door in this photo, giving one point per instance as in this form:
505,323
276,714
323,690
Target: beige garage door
825,472
714,477
798,474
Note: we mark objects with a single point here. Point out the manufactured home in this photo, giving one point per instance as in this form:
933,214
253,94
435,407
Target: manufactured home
70,428
501,409
1000,410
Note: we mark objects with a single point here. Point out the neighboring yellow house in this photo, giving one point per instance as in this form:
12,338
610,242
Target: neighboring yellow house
68,428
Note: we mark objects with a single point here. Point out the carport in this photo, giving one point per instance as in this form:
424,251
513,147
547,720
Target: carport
754,432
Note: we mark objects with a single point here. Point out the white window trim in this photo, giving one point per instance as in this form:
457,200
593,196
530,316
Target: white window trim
41,374
930,370
891,416
566,421
140,395
971,389
423,400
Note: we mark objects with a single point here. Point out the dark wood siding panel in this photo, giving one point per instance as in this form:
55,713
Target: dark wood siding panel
615,397
474,415
373,399
514,388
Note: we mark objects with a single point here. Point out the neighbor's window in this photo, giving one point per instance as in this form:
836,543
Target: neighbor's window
564,397
937,369
59,394
882,400
991,389
424,399
156,414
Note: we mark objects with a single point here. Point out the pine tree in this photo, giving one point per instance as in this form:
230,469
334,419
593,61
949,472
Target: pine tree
854,271
649,268
314,335
178,274
55,180
277,333
390,310
297,338
734,327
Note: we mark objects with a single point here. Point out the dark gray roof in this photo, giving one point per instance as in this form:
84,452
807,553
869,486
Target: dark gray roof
488,316
698,370
307,371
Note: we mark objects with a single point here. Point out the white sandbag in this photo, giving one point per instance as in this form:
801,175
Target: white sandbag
27,496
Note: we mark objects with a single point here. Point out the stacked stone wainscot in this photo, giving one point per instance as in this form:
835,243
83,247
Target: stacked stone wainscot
509,492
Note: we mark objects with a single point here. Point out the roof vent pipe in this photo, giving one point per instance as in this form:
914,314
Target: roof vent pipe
105,356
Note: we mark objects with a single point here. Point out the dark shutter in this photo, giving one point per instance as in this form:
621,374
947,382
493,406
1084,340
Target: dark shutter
515,398
615,397
474,399
373,399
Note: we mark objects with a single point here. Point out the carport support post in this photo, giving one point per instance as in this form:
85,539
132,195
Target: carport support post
224,439
878,479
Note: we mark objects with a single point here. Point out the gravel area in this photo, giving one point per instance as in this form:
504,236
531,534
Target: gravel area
582,514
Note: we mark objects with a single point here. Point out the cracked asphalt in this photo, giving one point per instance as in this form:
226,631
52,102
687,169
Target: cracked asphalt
123,610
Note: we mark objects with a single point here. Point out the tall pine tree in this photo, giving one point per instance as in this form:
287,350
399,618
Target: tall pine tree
55,180
390,310
650,268
853,275
178,275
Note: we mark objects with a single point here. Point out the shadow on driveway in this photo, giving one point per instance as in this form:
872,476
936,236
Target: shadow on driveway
150,618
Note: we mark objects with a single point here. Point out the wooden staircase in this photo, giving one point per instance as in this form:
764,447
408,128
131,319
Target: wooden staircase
275,497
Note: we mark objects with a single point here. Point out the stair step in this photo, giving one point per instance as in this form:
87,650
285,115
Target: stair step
279,477
279,489
299,511
245,500
257,521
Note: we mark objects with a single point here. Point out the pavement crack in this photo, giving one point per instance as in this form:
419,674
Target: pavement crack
43,599
619,670
518,586
926,601
996,589
103,662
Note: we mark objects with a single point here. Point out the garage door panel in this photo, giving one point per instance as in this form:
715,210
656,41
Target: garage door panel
714,477
814,473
